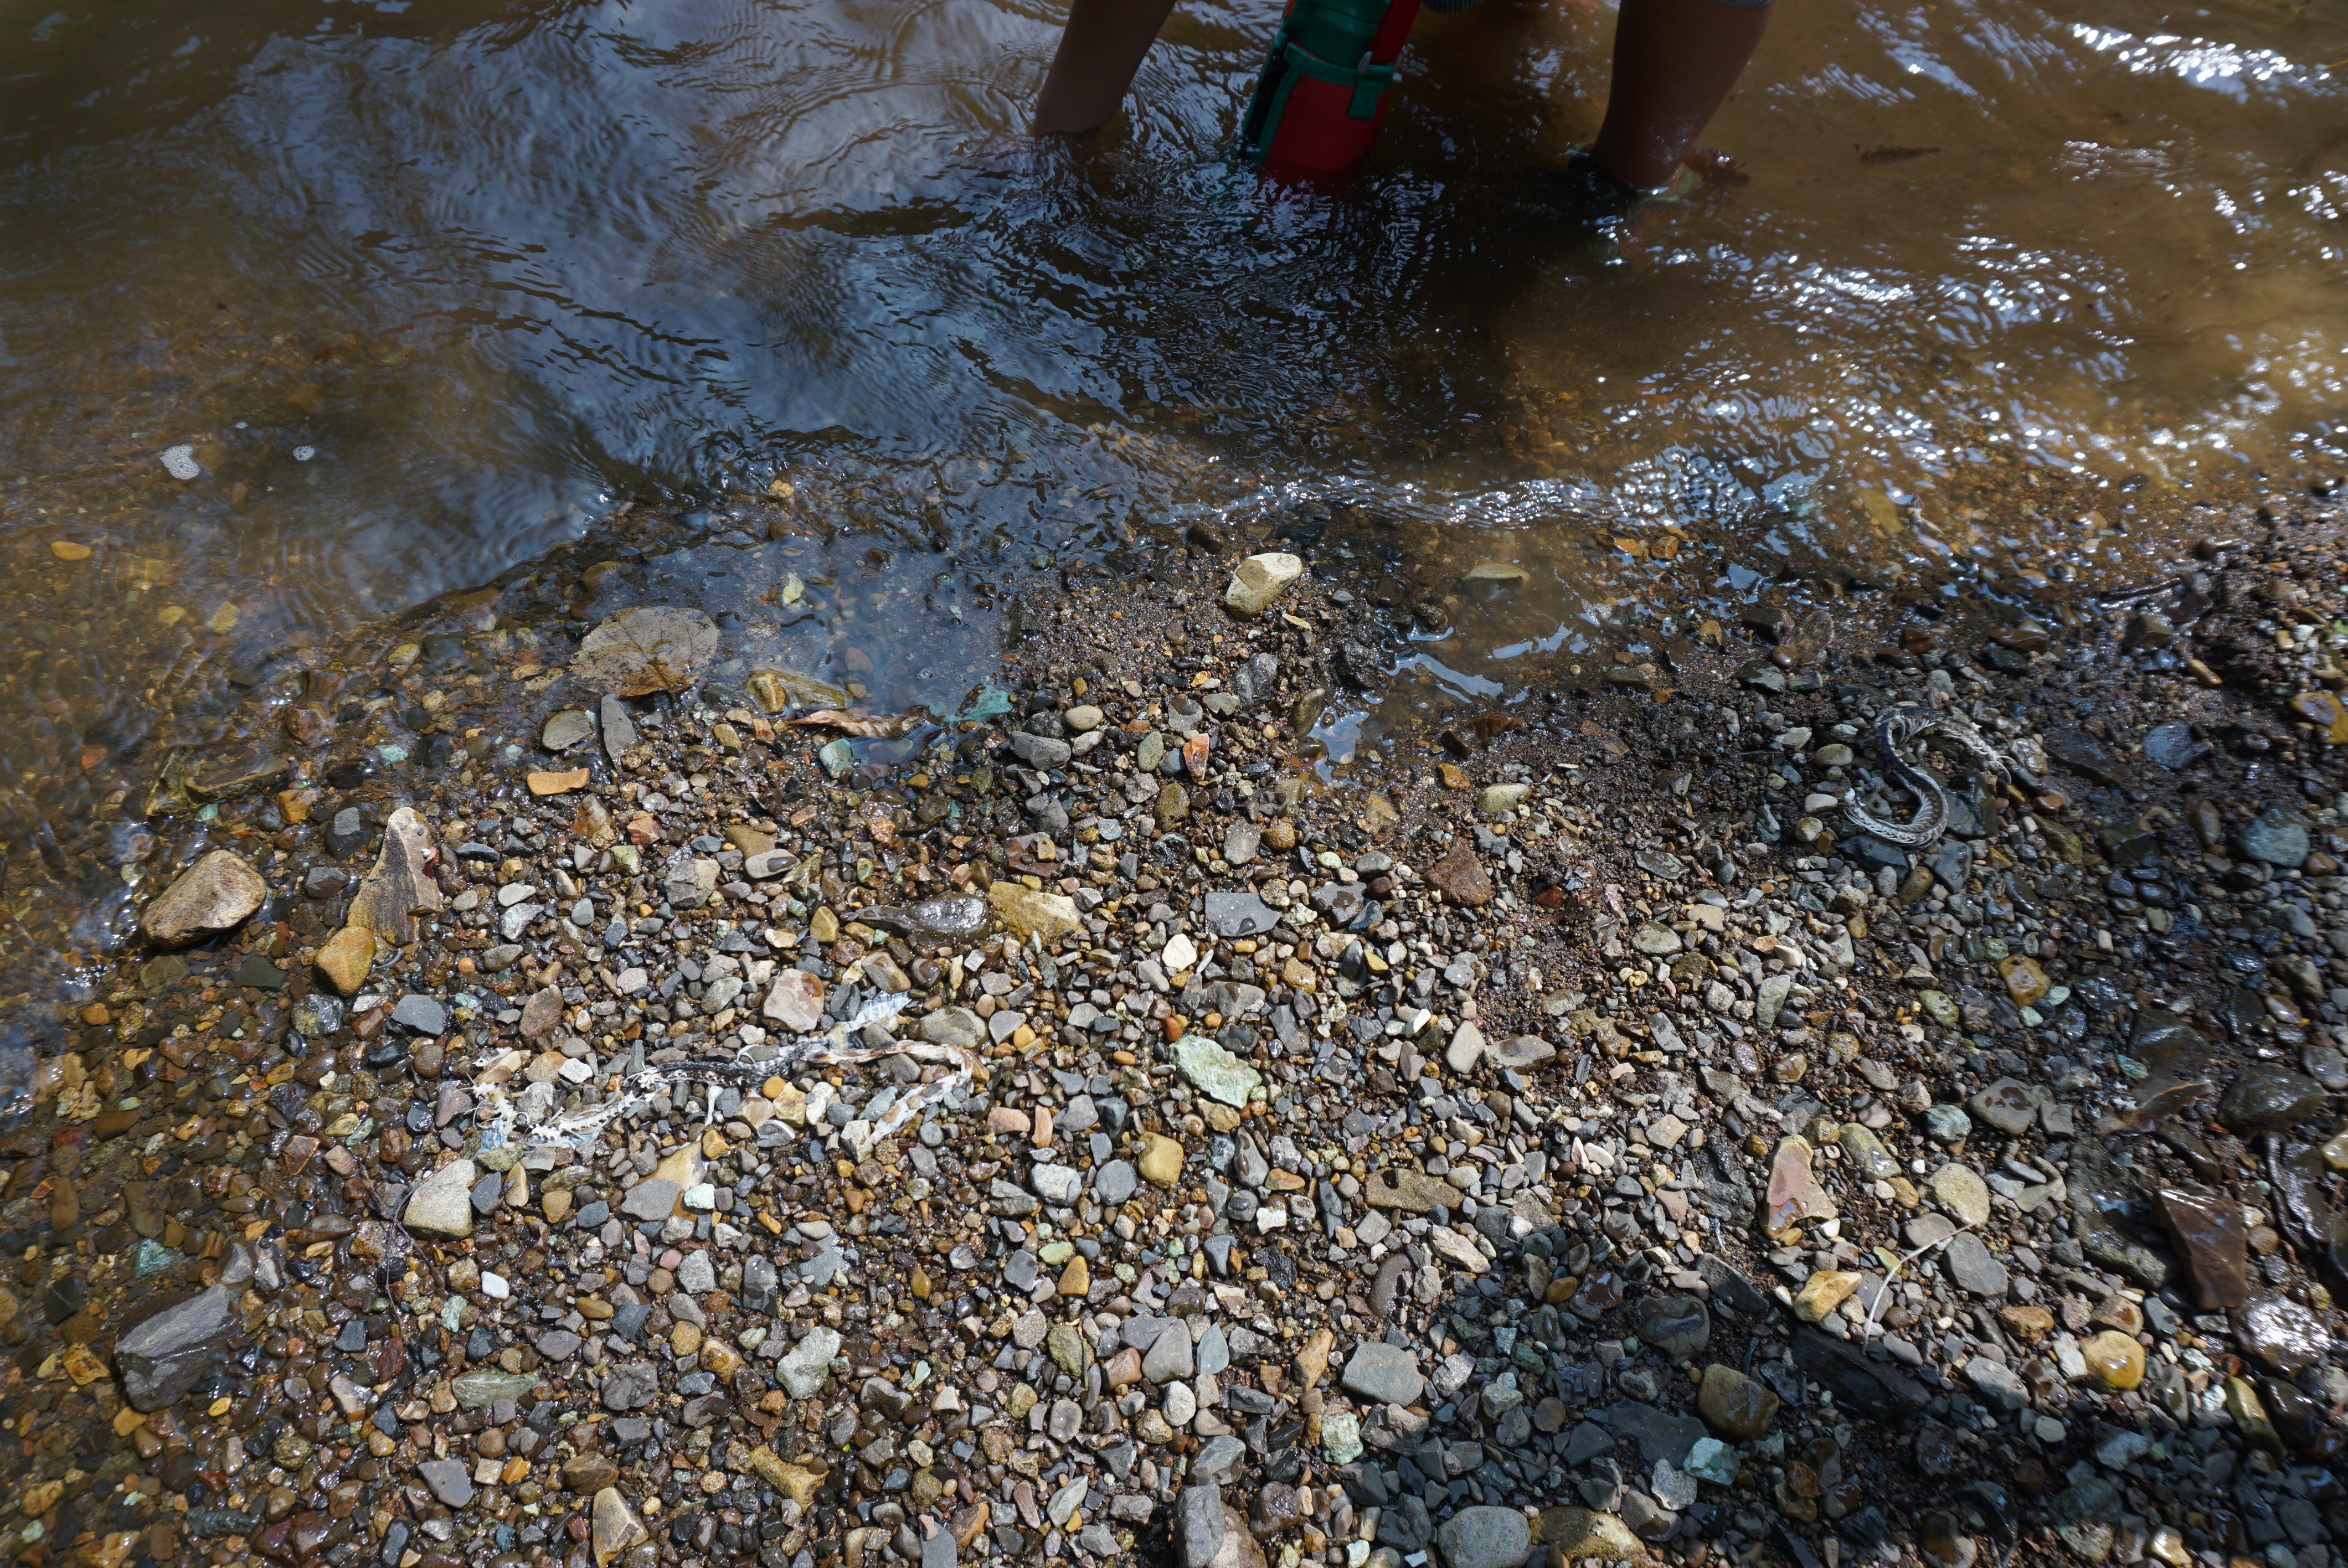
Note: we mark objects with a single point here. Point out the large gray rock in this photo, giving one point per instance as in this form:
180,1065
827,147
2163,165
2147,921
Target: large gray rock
441,1204
2275,835
1384,1373
629,1386
1115,1181
1485,1538
1240,915
215,893
162,1357
1219,1460
1039,751
567,729
1200,1521
1059,1185
1997,1381
1170,1357
1975,1267
1875,1389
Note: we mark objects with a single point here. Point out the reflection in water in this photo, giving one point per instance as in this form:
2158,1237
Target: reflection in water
430,288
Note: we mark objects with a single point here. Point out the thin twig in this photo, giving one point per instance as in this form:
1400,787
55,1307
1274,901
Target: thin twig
1867,1329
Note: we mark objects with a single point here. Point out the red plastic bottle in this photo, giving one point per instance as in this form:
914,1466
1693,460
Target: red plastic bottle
1322,93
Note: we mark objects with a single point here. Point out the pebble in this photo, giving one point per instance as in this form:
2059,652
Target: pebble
441,1204
1735,1405
1973,1268
2114,1359
218,892
1961,1191
1259,582
1485,1537
1383,1374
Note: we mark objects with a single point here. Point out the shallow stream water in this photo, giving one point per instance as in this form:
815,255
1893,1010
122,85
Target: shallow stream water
429,289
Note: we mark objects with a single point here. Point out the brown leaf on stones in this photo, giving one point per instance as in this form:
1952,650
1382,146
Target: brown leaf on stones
1489,726
646,649
886,727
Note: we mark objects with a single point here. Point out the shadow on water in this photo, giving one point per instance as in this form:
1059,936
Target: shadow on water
430,290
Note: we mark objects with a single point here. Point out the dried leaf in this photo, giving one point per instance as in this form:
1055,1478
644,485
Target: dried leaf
1491,725
646,649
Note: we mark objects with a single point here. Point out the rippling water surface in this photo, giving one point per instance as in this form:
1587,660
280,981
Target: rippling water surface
429,288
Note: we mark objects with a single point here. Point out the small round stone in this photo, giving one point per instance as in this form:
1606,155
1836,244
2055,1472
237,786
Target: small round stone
2116,1360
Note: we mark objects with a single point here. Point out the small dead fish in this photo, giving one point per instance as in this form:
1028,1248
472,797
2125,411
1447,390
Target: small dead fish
886,727
952,918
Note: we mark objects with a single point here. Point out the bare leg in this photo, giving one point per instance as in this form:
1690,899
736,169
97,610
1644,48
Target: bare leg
1100,49
1675,63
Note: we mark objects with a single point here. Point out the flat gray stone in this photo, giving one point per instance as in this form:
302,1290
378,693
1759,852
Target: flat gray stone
953,1025
1170,1357
441,1204
1659,1436
1960,1189
1586,1442
447,1480
1973,1268
1525,1050
1383,1374
619,729
696,1276
1998,1382
629,1386
1115,1181
1928,1228
1057,1185
165,1356
567,729
1199,1521
1219,1460
653,1199
1240,915
425,1015
2009,1105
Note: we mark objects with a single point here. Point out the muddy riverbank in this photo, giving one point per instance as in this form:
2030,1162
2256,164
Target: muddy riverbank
593,1088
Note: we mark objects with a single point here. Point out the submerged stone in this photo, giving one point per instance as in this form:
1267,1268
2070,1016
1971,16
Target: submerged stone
2268,1097
2100,1192
162,1357
2208,1234
216,894
2281,1333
